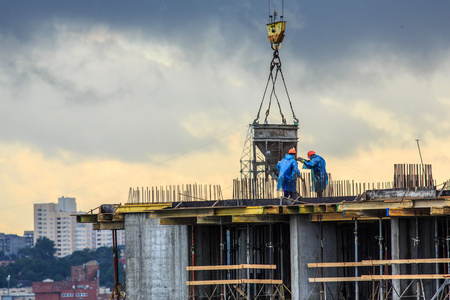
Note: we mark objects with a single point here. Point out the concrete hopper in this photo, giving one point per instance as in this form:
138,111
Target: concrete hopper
274,141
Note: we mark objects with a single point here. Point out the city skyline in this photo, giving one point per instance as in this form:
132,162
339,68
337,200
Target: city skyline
99,98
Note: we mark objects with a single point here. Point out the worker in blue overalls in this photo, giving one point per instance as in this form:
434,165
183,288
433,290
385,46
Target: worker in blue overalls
288,174
318,172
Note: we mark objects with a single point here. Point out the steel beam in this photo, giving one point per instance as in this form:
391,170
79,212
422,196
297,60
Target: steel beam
109,226
261,219
89,218
370,205
139,208
177,221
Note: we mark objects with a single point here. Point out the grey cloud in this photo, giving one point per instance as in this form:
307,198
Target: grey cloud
219,42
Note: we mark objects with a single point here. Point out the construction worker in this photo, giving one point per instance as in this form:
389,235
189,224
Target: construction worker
318,172
288,174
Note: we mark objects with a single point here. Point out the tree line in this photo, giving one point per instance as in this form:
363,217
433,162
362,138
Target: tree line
40,263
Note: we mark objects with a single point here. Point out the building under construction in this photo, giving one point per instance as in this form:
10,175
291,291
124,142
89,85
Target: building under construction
358,241
379,244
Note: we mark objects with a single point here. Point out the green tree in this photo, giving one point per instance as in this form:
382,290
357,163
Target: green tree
42,264
44,249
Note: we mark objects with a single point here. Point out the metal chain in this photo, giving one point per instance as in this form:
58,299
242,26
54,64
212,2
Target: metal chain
264,95
276,62
287,93
273,93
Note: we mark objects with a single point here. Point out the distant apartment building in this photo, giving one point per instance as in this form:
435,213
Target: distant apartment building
12,243
29,238
57,222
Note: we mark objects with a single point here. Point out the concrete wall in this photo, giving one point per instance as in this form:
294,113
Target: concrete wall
156,259
306,239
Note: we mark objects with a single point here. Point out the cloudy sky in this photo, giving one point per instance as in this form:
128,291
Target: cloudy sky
100,96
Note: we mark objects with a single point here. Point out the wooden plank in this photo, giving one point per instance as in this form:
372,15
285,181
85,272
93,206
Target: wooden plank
256,266
230,267
209,268
405,261
263,281
335,264
403,276
213,282
337,279
365,263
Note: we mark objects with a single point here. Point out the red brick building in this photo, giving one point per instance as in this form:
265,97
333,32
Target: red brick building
83,285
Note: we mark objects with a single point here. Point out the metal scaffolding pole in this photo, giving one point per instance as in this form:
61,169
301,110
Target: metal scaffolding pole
248,260
356,259
447,241
222,293
193,259
323,295
380,243
416,244
271,254
436,249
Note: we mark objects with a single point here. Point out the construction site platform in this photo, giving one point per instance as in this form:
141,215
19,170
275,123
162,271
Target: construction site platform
373,205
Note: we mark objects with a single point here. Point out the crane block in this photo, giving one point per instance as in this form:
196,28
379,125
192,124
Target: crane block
275,33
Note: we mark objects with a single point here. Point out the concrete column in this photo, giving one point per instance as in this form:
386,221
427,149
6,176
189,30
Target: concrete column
395,254
306,248
156,256
401,246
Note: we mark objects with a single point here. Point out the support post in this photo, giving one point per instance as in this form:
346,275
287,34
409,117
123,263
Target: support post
395,254
416,245
322,285
356,259
447,241
271,253
380,244
436,249
193,260
222,293
281,260
248,260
